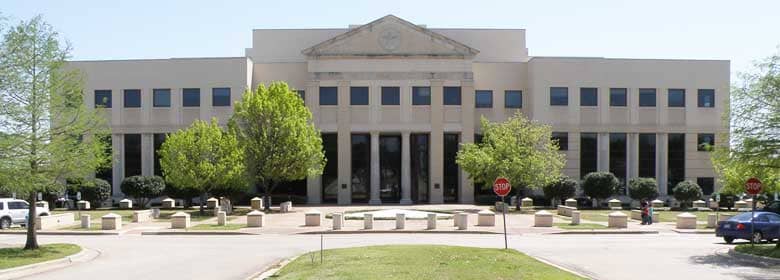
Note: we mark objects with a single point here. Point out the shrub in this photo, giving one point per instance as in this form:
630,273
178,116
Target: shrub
562,189
687,191
643,188
185,194
600,185
95,190
143,188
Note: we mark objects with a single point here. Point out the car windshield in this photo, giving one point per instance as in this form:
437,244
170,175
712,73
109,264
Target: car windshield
744,217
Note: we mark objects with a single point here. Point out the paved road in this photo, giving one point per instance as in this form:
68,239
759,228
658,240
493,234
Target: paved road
666,256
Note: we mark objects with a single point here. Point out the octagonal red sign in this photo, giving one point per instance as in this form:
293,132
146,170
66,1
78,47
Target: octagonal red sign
753,186
501,186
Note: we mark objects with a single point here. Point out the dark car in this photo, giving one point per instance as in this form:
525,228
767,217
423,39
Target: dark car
767,227
773,206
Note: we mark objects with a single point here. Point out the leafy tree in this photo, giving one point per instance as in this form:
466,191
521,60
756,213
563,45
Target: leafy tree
48,132
561,189
643,188
202,158
600,185
277,137
518,149
686,192
184,193
143,188
93,190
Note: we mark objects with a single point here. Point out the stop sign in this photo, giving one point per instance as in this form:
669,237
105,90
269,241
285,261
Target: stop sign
753,186
501,186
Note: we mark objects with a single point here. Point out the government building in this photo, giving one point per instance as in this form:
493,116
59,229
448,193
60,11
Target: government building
394,100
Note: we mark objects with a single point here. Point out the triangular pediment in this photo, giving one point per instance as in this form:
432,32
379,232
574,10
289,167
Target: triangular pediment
390,36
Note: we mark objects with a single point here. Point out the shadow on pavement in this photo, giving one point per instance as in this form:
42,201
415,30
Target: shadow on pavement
744,269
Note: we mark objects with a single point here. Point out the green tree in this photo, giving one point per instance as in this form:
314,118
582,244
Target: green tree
277,137
561,189
686,192
202,157
642,188
518,149
600,185
184,193
50,134
142,188
96,191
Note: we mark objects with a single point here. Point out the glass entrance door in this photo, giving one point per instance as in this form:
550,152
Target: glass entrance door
390,168
420,155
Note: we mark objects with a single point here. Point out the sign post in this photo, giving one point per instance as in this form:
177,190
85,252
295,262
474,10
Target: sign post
502,188
753,187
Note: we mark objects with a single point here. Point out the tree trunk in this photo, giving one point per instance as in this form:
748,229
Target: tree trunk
32,235
268,190
202,201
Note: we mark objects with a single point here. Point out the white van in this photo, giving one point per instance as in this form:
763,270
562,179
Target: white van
14,211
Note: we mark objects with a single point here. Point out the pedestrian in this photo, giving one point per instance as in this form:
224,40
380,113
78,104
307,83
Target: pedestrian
643,209
650,213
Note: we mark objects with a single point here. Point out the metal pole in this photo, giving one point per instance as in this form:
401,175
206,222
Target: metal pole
503,215
322,259
752,222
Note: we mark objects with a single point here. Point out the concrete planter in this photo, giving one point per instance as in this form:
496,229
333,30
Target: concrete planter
615,204
463,223
313,218
111,221
617,220
431,221
212,203
83,205
257,203
180,220
255,219
686,221
543,219
575,218
126,204
168,203
571,202
486,218
400,221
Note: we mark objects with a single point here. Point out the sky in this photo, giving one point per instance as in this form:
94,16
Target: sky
739,31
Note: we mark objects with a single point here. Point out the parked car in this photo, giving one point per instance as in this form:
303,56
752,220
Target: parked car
15,211
767,227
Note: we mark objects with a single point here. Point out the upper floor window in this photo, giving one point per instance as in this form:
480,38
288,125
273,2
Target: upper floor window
483,99
563,140
559,96
103,98
618,97
707,98
513,99
391,95
161,97
329,96
451,95
301,94
132,98
421,95
646,97
676,97
220,97
190,97
705,142
358,96
589,97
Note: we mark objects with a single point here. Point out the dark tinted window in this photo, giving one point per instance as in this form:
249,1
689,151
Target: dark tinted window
421,96
646,97
618,97
483,99
707,98
589,97
132,154
513,99
707,184
220,97
419,147
330,188
301,94
563,140
391,96
358,96
2,206
159,139
588,153
190,97
103,98
132,98
617,157
106,172
559,96
451,95
451,175
361,161
647,155
17,205
676,97
676,162
705,141
329,96
161,97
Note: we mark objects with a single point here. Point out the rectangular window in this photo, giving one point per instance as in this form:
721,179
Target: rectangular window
361,161
676,162
301,94
451,95
647,155
513,99
617,157
159,139
103,98
483,99
391,96
588,153
589,97
161,97
132,98
618,97
358,96
190,97
559,96
646,97
421,96
676,97
707,184
220,97
107,172
329,96
451,174
706,98
705,142
419,147
330,184
563,140
132,154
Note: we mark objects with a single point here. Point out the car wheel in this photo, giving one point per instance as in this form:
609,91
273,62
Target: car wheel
5,223
728,240
757,237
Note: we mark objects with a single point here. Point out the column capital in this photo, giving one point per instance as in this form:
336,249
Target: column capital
343,83
437,83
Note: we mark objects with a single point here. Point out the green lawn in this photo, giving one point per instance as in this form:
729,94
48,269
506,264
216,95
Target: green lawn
419,262
580,226
664,216
13,257
765,250
217,227
127,214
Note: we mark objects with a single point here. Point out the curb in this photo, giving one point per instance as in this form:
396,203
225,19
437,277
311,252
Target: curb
753,258
197,233
272,269
581,274
606,232
66,232
84,256
397,231
682,231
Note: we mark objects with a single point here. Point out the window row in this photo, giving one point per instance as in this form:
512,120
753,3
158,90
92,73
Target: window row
618,97
705,141
161,97
420,96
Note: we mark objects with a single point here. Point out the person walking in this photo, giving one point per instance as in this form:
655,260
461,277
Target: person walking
643,208
650,213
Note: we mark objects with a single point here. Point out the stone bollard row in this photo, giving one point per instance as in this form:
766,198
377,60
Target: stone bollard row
212,203
256,203
712,220
83,205
571,202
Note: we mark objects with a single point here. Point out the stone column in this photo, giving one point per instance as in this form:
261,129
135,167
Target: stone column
602,157
344,145
118,171
662,162
437,143
375,200
147,154
467,135
406,178
312,101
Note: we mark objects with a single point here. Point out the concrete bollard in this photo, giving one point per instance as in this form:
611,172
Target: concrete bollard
455,220
543,219
338,220
656,217
255,219
83,205
155,213
486,218
724,216
212,203
168,203
180,220
431,221
257,203
741,204
615,204
712,220
126,204
141,216
699,204
400,221
368,221
313,218
221,218
686,221
285,207
86,221
575,218
527,202
713,204
657,203
617,220
571,202
463,224
111,221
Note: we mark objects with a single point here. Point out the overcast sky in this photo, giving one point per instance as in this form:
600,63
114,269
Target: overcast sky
740,31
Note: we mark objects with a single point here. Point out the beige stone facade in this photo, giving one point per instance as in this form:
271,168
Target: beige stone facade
414,60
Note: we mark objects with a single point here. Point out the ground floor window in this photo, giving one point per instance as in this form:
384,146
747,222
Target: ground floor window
330,188
361,167
159,139
617,157
646,155
707,184
588,153
390,168
107,172
420,157
676,162
451,174
132,154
